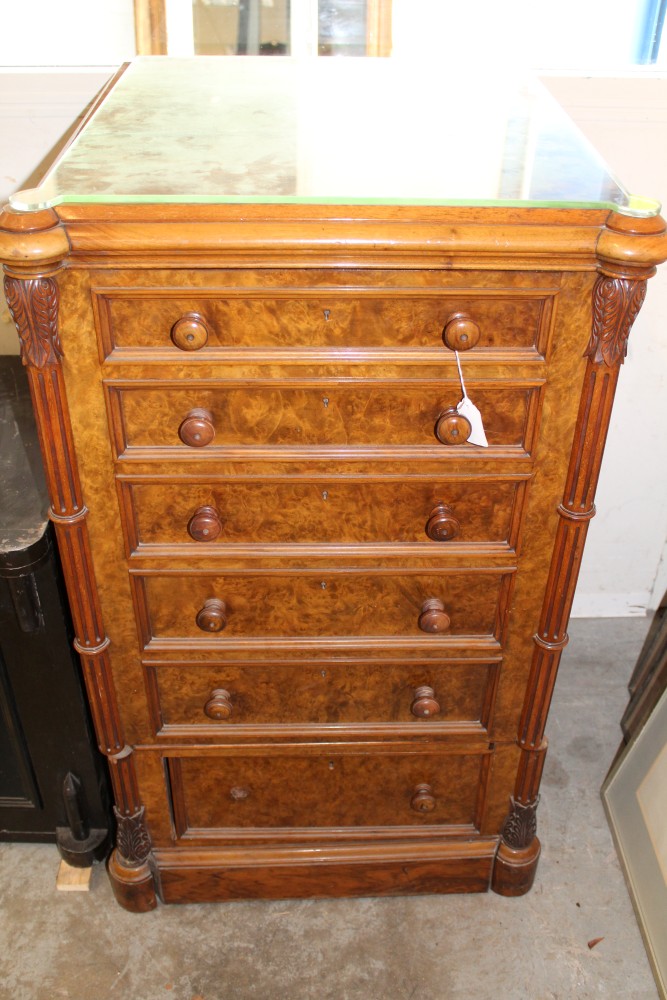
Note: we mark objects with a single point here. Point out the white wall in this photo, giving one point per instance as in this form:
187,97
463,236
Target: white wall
37,110
626,118
597,34
625,562
66,32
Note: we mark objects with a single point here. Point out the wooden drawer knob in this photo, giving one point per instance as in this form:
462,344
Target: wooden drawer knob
190,332
219,705
460,333
433,617
197,429
205,525
442,525
425,703
423,799
213,616
452,428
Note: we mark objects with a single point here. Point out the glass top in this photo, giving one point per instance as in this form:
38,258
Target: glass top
215,130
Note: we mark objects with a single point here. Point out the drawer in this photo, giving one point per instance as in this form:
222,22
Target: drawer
206,417
220,608
227,695
195,322
213,793
326,511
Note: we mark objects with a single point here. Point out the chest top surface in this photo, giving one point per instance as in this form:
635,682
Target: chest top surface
327,131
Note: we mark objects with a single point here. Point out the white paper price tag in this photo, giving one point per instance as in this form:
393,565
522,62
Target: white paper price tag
468,410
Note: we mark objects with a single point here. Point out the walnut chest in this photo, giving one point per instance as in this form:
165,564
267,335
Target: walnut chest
319,609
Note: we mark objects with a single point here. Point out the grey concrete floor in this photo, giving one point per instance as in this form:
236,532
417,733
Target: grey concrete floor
83,946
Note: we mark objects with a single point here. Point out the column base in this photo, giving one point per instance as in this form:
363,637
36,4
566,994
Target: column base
133,887
514,868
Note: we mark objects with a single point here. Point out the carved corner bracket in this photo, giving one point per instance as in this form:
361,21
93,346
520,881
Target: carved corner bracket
616,304
520,827
132,840
33,305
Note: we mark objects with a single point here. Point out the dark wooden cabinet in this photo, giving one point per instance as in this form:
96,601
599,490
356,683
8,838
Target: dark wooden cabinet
320,628
53,781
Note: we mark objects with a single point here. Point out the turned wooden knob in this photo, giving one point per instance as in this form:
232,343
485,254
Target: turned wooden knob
442,525
425,704
219,706
213,616
460,333
205,525
452,428
190,332
433,618
197,429
423,799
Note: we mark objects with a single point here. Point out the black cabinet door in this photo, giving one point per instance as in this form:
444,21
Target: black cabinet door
52,777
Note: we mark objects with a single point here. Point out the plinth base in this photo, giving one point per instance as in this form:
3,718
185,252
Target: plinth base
514,869
133,887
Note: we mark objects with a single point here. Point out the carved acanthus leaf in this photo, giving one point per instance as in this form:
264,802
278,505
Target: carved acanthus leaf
33,304
521,825
132,840
616,303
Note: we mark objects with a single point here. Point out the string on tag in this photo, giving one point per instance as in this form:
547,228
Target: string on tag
463,385
467,409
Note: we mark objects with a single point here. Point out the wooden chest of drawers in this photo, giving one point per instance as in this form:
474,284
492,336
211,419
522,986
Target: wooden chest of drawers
319,628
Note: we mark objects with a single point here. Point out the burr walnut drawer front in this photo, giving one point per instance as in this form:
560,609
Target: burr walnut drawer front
319,603
325,511
195,323
301,789
203,418
227,695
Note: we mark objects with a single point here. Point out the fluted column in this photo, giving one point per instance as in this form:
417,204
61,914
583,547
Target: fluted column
32,293
617,298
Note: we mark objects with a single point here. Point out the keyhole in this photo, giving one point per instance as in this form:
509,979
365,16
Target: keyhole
325,494
325,401
327,313
323,585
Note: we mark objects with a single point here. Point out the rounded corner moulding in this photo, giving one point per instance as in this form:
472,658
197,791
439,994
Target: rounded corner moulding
31,239
636,245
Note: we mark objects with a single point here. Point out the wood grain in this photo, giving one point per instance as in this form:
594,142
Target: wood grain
320,414
320,790
270,512
190,876
318,604
323,693
333,318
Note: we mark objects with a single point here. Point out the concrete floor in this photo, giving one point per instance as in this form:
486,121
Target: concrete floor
83,946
